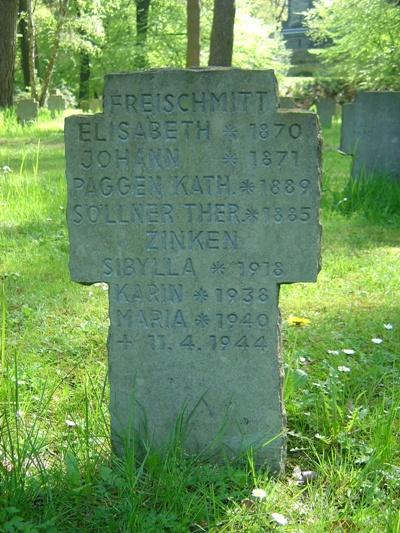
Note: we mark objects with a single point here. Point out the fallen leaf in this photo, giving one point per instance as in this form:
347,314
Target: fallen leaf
249,504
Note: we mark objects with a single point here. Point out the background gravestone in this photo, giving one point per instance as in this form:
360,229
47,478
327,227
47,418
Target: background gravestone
194,197
347,129
286,102
326,108
376,146
95,105
85,105
56,104
27,111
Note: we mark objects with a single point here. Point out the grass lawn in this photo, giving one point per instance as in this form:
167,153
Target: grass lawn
56,473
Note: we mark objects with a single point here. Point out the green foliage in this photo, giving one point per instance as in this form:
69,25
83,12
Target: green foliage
106,31
258,44
364,37
309,89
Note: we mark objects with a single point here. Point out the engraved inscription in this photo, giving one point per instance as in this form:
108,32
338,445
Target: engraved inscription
189,102
124,186
194,197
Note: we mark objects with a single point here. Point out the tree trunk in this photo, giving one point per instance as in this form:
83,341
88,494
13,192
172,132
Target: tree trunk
281,7
24,40
84,64
28,45
37,63
221,45
142,17
8,37
31,50
193,33
84,75
54,53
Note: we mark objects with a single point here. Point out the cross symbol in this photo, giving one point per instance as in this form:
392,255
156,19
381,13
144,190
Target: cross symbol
125,341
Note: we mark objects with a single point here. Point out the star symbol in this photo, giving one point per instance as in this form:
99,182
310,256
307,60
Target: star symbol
247,186
200,295
230,158
218,267
230,132
202,320
251,215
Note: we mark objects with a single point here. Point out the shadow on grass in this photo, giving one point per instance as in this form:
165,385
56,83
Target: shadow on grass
378,198
352,232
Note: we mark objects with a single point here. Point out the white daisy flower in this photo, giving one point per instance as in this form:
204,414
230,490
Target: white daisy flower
279,519
259,493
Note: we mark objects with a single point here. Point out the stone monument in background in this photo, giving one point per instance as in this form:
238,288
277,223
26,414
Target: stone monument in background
294,33
55,104
346,129
193,197
370,132
286,102
96,105
326,109
27,111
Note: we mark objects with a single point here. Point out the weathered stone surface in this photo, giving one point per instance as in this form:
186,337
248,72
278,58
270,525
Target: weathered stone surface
326,108
194,198
377,135
56,104
347,129
27,111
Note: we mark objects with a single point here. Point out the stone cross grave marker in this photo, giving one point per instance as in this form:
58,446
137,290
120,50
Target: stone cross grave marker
326,108
56,104
27,111
193,197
